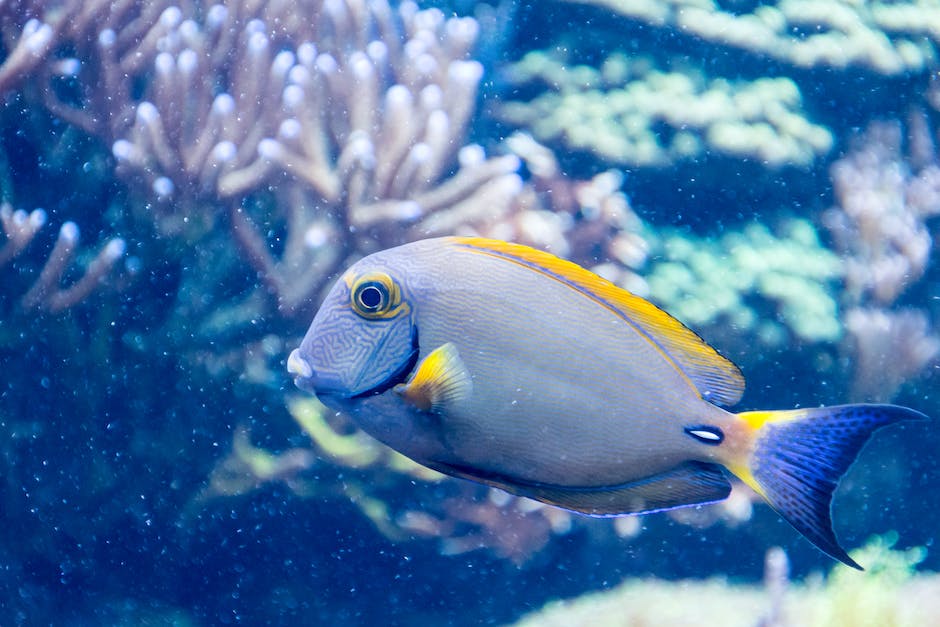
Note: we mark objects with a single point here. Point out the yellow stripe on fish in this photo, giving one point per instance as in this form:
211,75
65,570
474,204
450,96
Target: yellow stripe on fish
717,379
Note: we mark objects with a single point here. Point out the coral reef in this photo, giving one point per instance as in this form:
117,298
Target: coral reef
225,159
348,123
365,125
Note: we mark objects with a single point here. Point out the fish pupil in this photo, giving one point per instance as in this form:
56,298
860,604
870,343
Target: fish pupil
370,297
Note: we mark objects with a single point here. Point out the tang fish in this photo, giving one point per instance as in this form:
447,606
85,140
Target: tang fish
506,365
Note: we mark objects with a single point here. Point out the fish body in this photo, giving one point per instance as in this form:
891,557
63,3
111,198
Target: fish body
506,365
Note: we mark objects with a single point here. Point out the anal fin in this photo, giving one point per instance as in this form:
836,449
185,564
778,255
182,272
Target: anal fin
690,483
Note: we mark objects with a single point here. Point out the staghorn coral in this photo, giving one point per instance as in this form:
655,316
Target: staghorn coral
315,139
630,112
82,59
354,119
46,291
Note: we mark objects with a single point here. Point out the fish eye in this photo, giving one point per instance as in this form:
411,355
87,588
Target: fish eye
376,295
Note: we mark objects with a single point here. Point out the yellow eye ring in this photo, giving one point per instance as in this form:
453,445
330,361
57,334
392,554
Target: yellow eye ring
376,296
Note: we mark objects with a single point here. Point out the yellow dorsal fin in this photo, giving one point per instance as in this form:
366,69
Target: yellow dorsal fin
441,379
716,378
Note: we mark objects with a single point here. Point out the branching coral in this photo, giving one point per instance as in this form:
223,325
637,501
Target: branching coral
629,112
82,58
46,291
884,37
749,279
354,119
879,225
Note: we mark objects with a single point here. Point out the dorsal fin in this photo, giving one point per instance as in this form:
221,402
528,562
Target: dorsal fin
716,378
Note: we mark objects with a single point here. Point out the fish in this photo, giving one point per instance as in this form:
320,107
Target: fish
506,365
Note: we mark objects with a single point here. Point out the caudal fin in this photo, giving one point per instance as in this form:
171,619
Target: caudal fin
799,456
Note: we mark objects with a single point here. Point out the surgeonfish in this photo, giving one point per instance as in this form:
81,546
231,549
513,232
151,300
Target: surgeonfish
514,368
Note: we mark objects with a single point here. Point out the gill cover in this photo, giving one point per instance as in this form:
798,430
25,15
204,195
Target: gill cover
362,341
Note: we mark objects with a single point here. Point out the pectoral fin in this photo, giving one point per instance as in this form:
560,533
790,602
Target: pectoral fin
441,379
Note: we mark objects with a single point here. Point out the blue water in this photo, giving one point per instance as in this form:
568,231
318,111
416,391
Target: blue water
117,414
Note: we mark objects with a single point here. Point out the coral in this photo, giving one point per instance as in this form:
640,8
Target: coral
750,278
882,596
355,126
82,58
630,112
338,134
888,38
585,221
46,291
889,593
889,348
879,225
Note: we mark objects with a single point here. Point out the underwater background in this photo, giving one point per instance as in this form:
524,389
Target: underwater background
182,182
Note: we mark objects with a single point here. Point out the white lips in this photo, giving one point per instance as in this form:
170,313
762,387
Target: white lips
298,366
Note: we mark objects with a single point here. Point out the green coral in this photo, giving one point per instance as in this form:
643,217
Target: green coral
705,280
888,594
878,598
888,38
629,112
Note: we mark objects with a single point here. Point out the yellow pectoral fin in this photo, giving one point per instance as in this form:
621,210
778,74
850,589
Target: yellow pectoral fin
441,379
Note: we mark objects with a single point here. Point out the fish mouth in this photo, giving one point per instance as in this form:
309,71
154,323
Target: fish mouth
308,380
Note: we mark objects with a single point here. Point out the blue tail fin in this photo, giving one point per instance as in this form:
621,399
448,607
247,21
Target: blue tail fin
799,456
